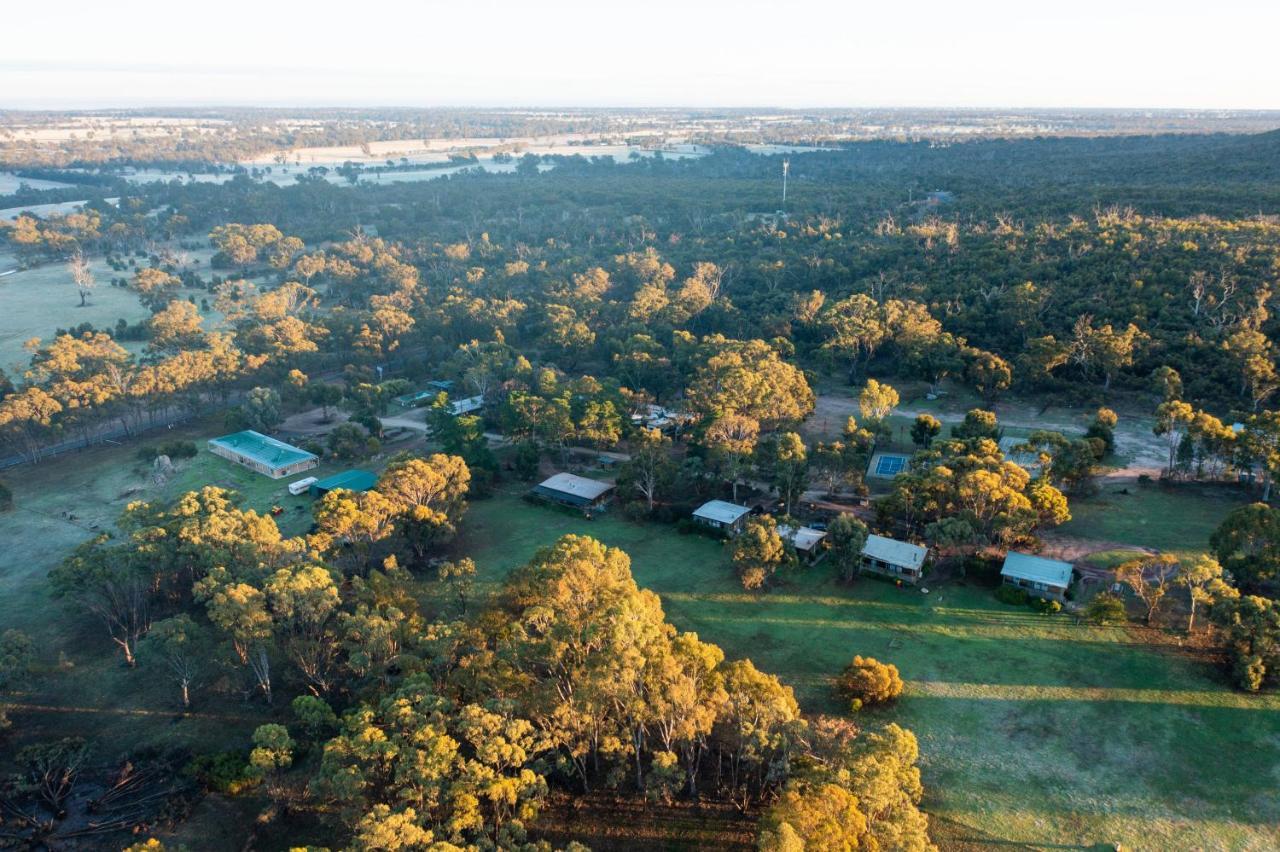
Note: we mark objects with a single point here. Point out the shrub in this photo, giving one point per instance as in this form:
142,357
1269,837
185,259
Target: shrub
636,510
526,459
688,526
227,772
867,681
1045,606
982,570
1106,608
314,714
349,441
1011,595
179,449
172,449
17,655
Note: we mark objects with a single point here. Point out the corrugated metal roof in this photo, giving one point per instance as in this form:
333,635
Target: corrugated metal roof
804,538
262,448
466,405
720,511
1024,566
409,400
894,552
576,486
350,480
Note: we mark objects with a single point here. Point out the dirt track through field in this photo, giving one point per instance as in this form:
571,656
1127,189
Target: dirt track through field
21,707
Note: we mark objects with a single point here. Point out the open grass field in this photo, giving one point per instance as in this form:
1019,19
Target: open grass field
38,301
1178,520
1032,729
130,708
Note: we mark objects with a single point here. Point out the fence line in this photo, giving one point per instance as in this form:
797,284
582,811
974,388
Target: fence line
113,434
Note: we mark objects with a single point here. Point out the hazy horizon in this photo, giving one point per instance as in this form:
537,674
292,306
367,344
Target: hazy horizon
933,55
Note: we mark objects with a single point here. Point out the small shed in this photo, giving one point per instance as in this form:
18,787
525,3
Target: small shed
262,453
1045,578
808,542
577,491
466,405
416,399
348,480
892,558
722,515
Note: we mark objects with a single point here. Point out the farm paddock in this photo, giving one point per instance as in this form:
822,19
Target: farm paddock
1033,729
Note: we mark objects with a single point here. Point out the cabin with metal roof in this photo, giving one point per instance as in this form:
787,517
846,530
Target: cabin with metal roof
466,405
348,480
900,560
810,544
263,454
722,515
576,491
1039,577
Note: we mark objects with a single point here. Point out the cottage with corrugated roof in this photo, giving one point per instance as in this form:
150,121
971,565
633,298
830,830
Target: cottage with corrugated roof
722,515
900,560
1039,577
576,491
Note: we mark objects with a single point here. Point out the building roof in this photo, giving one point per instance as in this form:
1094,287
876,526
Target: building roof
579,487
262,448
466,405
350,480
804,538
1024,566
1028,461
411,399
894,552
720,511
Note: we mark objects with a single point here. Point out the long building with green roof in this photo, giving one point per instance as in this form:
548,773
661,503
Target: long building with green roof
263,453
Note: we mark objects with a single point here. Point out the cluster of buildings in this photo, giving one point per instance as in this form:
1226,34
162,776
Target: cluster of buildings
427,396
278,460
889,557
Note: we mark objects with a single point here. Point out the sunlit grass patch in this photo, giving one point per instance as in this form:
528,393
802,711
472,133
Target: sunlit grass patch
1033,729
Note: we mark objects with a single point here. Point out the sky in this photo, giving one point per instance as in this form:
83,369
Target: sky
645,53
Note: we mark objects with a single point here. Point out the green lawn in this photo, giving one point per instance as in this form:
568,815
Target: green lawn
128,708
1178,520
1032,729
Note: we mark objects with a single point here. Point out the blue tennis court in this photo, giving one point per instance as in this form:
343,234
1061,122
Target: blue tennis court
888,465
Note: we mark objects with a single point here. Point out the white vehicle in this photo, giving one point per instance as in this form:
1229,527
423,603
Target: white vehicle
296,488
